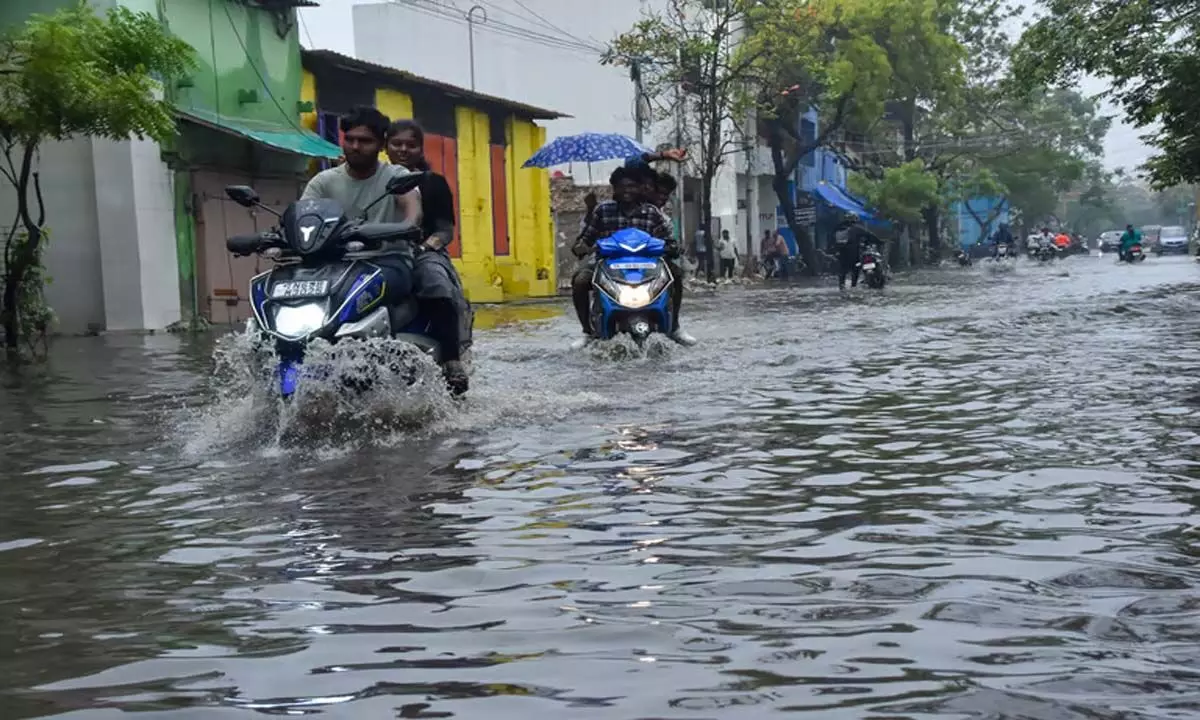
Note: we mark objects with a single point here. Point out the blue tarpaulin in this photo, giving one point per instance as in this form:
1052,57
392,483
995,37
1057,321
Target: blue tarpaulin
840,199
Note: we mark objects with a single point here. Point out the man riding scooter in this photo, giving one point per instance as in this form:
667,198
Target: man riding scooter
628,209
1002,236
1130,238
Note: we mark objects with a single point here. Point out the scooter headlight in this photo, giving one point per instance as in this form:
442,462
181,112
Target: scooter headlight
297,321
635,296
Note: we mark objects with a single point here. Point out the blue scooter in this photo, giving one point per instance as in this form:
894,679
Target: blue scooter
631,287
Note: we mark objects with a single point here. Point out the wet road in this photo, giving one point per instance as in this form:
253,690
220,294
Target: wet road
971,497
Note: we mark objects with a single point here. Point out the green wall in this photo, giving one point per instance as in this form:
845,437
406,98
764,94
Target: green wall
239,52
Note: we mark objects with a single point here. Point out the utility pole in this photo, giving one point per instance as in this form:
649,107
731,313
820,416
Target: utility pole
635,74
678,205
471,35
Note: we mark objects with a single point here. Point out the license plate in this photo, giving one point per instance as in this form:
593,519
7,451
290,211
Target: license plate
300,288
868,266
633,265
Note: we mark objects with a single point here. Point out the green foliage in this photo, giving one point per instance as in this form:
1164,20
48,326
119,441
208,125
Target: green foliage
1147,48
901,193
77,73
63,75
34,315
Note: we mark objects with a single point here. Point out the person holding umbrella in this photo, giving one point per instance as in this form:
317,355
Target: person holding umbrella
627,209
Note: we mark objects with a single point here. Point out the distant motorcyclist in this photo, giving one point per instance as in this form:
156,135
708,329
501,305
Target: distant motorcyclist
1040,240
1002,236
1130,238
850,239
627,209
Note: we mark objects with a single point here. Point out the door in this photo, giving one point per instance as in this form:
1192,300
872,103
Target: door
223,280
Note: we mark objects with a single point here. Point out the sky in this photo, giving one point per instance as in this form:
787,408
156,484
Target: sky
330,27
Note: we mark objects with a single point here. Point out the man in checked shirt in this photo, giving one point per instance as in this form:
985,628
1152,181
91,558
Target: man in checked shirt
628,209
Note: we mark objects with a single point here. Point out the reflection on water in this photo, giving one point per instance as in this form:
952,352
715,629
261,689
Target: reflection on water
970,496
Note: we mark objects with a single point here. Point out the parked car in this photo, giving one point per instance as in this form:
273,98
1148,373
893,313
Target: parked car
1172,239
1150,236
1110,240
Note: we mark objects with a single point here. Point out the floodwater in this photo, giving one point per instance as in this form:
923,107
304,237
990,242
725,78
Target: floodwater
971,496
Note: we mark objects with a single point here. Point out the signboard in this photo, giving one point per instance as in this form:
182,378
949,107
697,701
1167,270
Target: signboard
806,210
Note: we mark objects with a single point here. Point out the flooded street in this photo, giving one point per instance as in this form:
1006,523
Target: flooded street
971,496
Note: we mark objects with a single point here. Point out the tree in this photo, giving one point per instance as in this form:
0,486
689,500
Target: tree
1042,148
815,56
901,193
1147,49
981,184
689,54
64,75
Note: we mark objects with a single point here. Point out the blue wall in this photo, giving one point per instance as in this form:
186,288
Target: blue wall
969,232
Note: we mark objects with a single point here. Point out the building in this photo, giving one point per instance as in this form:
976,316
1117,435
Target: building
138,231
504,237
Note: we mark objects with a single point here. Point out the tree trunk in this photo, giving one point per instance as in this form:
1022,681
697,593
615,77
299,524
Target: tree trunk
779,183
20,259
710,247
932,216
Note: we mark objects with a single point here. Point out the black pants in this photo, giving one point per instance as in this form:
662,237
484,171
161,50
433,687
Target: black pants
727,267
440,296
676,291
848,265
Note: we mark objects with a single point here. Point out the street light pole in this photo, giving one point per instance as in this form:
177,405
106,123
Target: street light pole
471,35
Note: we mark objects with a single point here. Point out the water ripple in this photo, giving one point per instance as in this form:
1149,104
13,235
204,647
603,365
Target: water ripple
921,503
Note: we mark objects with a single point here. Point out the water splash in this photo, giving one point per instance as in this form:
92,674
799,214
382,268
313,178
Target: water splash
623,348
353,394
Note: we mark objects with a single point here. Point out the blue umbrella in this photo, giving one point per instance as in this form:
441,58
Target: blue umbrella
586,147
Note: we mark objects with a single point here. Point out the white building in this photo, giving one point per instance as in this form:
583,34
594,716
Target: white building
547,53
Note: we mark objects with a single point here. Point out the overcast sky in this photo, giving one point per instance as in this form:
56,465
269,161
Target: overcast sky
330,27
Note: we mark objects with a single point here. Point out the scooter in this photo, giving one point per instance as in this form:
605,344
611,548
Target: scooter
872,269
324,285
631,287
1133,256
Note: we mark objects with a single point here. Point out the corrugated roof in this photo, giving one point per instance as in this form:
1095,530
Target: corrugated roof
402,76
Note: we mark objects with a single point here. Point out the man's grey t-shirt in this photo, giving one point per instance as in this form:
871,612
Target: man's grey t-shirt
354,195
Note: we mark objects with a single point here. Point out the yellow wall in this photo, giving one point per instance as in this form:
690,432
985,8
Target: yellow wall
530,271
488,278
308,92
477,266
395,105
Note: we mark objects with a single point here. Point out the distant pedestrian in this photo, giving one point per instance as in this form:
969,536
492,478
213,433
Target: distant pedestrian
728,252
766,254
781,255
701,247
